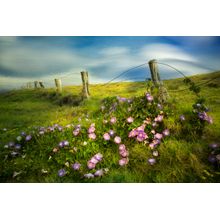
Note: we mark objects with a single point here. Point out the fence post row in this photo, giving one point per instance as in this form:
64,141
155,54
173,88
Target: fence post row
41,84
58,84
85,82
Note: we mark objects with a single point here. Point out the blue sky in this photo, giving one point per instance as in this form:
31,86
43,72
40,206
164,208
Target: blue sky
24,59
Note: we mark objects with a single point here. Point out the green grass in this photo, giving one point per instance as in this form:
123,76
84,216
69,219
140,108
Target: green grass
182,158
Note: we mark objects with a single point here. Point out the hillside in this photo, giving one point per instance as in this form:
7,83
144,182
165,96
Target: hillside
183,157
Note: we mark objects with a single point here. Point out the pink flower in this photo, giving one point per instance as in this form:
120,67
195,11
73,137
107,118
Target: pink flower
117,140
92,136
76,166
151,145
130,119
122,147
90,165
94,160
106,136
133,133
123,161
166,132
124,153
158,136
141,128
91,130
151,161
76,132
159,118
113,120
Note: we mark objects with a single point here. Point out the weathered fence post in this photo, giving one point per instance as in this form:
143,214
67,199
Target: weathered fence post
58,84
85,82
35,84
155,76
41,84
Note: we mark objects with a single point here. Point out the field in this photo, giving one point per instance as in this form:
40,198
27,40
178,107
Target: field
183,155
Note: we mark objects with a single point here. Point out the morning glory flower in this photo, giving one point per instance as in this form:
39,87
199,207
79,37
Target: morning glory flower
159,118
111,132
76,166
17,146
23,133
182,118
113,120
151,161
98,156
214,145
61,173
28,138
117,140
141,136
99,173
90,165
92,136
124,153
122,147
66,143
133,133
89,175
130,119
166,132
61,144
123,161
106,136
91,129
158,136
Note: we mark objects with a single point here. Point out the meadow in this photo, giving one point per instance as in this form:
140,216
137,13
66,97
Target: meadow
122,133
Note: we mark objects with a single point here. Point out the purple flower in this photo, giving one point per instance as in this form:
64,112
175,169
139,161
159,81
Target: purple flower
152,145
99,173
60,128
89,175
151,161
17,146
130,119
158,136
117,140
212,159
113,120
61,173
61,144
66,143
98,156
92,136
123,161
23,133
141,136
76,132
214,145
209,120
111,132
94,160
182,118
28,138
76,166
133,133
166,132
106,136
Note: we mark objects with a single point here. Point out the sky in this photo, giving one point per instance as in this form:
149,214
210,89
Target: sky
26,59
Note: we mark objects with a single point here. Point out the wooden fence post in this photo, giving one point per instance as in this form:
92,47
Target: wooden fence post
41,84
58,84
155,76
35,84
85,82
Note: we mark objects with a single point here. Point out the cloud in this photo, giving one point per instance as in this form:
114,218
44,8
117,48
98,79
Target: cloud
22,61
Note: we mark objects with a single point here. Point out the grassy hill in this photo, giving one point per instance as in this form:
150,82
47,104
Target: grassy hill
183,156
